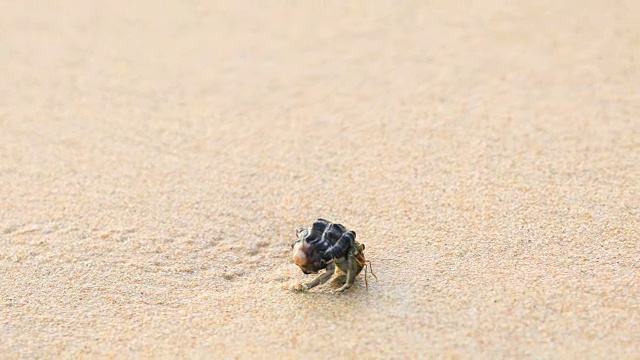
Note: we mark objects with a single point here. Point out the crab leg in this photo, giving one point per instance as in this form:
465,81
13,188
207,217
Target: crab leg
331,268
353,268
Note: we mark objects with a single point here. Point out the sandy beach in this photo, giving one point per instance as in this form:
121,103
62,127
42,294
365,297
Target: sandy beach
155,162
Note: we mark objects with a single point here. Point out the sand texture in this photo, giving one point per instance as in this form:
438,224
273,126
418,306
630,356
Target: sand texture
156,158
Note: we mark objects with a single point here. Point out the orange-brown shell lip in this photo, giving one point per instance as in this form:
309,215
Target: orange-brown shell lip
300,258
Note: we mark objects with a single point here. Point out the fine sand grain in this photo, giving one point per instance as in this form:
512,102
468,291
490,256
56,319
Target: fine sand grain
156,157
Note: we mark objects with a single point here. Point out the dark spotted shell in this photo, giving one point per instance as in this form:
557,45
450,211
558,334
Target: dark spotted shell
326,241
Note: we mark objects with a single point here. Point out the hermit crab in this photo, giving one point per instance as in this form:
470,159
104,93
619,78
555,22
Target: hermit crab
326,245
